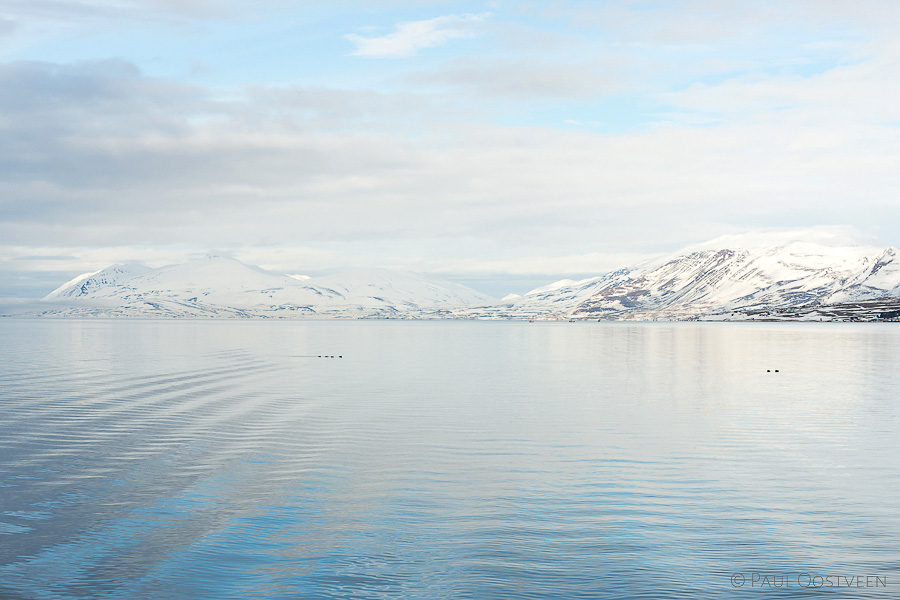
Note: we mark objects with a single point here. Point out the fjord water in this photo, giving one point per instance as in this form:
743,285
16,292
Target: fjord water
480,460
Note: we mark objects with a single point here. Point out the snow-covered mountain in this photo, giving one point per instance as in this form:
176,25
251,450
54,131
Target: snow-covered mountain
733,277
97,282
726,280
723,277
222,286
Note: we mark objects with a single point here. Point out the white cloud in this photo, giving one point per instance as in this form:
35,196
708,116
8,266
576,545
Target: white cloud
528,79
84,11
593,262
102,155
418,173
412,36
858,91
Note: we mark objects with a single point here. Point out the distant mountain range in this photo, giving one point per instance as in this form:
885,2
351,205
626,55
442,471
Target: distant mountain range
757,276
218,286
728,278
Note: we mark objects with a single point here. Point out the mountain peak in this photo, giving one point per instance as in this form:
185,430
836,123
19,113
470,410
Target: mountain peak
90,283
216,256
217,284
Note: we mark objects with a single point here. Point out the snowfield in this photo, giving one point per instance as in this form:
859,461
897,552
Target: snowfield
774,276
219,286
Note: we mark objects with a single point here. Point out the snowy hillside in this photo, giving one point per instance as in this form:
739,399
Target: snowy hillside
737,278
733,277
732,274
98,282
222,286
378,288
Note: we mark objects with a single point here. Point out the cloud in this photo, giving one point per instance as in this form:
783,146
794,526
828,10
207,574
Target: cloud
857,91
47,257
412,36
707,22
85,140
83,11
531,264
7,26
527,79
100,155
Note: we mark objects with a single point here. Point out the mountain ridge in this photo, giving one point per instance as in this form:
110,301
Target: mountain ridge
720,281
762,272
223,286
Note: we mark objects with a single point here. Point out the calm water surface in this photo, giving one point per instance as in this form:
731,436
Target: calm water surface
477,460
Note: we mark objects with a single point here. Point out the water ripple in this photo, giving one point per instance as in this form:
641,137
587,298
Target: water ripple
443,460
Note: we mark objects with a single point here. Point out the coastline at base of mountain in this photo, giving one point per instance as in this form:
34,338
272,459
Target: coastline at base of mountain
877,310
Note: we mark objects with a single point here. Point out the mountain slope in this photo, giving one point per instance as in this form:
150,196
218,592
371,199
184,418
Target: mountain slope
97,284
728,278
730,274
218,286
732,279
377,288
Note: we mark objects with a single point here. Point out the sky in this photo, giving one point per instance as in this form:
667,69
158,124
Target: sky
502,144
